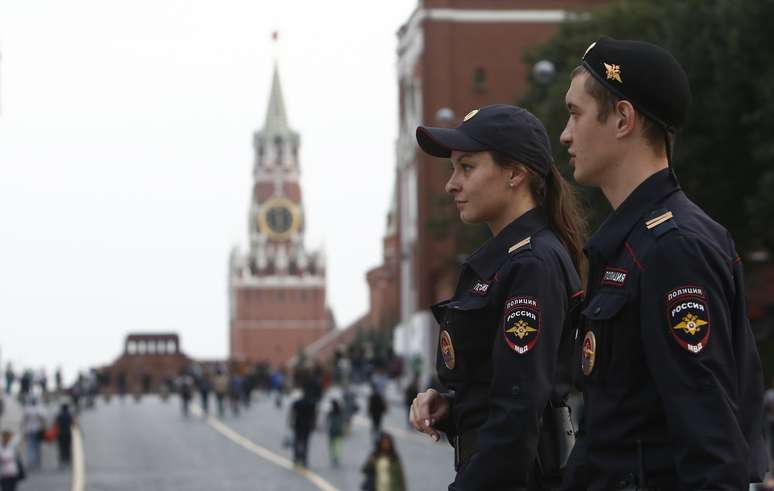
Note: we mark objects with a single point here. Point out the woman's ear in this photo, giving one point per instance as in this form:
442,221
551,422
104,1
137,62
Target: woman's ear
516,175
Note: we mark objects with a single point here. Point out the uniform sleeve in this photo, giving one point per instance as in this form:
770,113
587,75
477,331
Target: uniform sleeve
524,363
688,344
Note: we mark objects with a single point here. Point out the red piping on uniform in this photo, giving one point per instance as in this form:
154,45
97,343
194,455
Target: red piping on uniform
577,294
634,256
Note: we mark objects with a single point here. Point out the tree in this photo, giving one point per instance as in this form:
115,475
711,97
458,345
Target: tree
724,157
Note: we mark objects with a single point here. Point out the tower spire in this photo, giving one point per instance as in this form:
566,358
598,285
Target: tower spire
276,117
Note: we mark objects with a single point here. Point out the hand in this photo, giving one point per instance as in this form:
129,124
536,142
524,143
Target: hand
428,409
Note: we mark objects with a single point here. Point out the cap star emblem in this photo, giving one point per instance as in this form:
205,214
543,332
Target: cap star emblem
521,329
613,72
691,324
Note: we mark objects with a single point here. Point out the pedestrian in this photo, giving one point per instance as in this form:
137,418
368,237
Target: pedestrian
65,421
277,383
336,423
186,393
10,377
383,470
11,467
350,408
34,419
235,392
205,385
377,406
671,376
220,385
514,306
303,414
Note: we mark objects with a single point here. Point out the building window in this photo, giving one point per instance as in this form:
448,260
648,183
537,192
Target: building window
171,347
131,347
479,80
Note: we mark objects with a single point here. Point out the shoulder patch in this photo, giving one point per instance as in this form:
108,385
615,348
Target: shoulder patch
520,245
688,316
660,222
521,324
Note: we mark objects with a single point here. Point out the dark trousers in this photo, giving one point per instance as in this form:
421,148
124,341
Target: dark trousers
300,447
64,444
8,484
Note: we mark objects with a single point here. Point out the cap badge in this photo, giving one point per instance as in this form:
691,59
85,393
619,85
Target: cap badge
470,115
589,49
613,72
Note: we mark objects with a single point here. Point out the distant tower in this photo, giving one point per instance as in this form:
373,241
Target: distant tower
276,290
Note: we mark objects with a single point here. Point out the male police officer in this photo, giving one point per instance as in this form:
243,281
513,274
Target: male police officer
670,372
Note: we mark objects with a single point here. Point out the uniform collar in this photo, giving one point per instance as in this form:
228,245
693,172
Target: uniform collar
488,258
642,201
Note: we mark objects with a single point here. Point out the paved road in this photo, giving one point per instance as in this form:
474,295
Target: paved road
150,445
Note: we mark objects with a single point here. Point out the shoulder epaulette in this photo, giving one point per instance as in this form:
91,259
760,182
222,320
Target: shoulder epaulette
660,222
521,245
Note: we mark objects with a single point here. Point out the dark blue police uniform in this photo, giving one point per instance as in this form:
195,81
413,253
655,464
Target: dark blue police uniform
671,377
499,340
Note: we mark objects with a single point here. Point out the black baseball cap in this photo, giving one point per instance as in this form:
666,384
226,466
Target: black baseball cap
509,130
646,75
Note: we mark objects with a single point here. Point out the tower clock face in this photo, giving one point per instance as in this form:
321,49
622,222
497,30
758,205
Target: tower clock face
279,218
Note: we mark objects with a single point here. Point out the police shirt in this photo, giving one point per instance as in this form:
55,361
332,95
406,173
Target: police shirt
498,343
670,372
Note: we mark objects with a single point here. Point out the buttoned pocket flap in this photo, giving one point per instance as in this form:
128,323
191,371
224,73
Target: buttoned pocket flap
605,306
468,303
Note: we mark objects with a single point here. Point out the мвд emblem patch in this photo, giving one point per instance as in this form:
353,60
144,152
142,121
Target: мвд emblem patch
521,324
688,317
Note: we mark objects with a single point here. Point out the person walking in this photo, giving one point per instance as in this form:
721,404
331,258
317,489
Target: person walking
383,470
303,414
11,467
336,424
671,377
377,406
220,383
34,420
512,316
65,421
185,384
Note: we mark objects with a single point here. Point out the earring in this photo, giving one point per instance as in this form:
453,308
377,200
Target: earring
510,184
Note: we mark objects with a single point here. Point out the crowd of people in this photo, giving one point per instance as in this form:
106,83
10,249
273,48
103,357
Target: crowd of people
47,416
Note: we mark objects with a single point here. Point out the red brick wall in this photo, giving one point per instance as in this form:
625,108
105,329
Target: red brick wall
452,52
270,324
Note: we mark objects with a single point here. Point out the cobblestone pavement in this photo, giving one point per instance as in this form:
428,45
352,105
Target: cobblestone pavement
150,445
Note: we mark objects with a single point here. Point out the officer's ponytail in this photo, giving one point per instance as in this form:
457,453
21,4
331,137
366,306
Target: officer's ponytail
563,211
561,206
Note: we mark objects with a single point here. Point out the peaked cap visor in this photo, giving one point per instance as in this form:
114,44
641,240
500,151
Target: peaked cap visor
439,142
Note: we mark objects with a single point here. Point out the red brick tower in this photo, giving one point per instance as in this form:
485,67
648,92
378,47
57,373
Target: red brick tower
277,289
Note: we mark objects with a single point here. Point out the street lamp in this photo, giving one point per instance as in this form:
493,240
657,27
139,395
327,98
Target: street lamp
544,72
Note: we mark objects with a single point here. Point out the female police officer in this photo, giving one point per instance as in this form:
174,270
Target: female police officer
500,333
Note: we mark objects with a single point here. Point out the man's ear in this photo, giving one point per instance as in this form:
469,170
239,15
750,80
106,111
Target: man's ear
626,118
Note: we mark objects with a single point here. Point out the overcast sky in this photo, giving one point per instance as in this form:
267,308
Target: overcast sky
126,157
